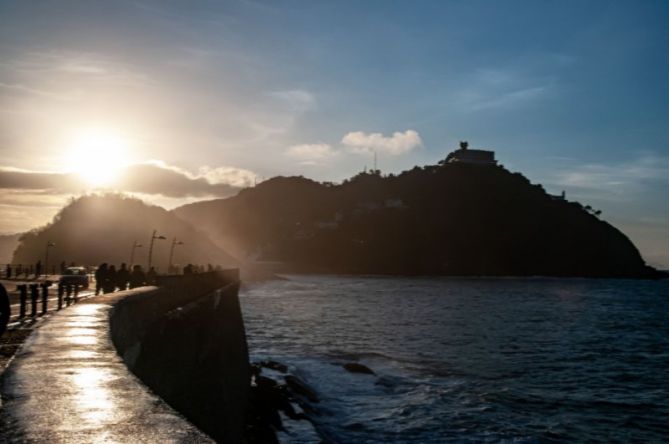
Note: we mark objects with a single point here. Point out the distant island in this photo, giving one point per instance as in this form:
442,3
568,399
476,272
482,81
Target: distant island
465,216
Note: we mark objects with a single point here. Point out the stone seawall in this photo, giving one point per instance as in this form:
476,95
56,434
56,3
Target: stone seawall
186,341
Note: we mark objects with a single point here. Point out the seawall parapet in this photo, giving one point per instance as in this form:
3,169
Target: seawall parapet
186,341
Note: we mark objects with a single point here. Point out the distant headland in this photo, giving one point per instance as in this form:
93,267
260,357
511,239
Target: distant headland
467,215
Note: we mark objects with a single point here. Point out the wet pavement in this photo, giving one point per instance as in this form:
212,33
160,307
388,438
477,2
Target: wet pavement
67,384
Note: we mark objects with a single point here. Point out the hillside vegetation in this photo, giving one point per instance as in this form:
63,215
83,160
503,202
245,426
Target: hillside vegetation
447,219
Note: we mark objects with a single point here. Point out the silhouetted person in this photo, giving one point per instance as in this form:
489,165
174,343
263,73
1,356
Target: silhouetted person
122,277
8,271
63,266
100,276
38,269
109,284
151,276
137,277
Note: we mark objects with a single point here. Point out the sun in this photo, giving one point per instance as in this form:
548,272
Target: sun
98,155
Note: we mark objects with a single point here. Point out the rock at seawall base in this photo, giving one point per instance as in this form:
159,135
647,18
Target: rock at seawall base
300,388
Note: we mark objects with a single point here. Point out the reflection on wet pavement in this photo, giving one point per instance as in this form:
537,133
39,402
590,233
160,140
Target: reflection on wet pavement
68,384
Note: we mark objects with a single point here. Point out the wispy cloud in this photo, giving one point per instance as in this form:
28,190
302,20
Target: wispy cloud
398,143
602,176
23,89
615,180
502,88
478,100
68,75
295,100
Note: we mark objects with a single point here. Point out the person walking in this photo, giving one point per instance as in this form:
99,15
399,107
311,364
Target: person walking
122,277
100,276
137,277
110,282
151,276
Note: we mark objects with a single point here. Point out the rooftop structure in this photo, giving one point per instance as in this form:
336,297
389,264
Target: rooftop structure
476,157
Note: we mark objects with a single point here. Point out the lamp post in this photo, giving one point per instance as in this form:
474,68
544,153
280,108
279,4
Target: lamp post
175,242
135,245
49,244
153,238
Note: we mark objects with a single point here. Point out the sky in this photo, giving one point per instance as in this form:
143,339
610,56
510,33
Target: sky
182,101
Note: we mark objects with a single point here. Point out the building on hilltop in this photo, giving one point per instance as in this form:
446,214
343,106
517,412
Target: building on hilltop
476,157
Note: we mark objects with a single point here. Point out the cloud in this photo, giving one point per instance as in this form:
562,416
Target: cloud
398,143
154,177
237,177
311,153
25,180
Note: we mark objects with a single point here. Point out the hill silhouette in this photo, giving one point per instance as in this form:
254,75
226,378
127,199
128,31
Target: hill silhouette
8,243
446,219
102,228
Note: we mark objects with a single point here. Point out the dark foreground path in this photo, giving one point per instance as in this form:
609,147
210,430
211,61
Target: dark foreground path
67,384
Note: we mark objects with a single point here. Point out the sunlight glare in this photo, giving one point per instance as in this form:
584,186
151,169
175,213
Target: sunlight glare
97,155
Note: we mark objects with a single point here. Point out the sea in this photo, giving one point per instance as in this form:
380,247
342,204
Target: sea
469,360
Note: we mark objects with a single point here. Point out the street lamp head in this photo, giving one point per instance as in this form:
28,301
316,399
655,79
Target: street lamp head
161,237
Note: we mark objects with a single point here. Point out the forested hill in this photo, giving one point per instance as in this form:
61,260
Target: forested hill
449,219
95,229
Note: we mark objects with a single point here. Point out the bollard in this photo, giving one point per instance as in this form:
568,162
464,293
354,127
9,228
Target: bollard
45,297
23,298
76,292
33,299
61,290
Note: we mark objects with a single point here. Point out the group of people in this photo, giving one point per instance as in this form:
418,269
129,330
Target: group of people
35,270
109,279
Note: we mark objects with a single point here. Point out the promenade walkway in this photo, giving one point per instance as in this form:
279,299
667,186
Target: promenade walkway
68,385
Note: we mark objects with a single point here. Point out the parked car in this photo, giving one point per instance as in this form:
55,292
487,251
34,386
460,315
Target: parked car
75,276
